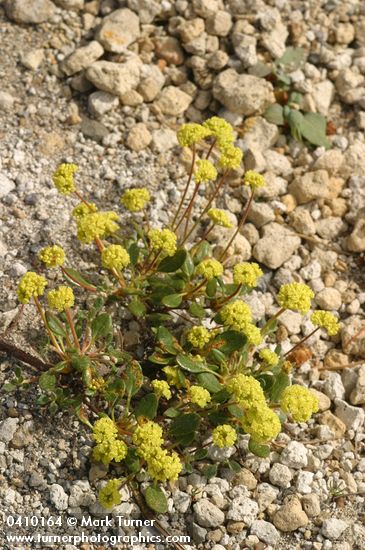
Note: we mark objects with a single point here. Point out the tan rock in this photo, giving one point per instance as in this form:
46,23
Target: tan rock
324,402
356,241
139,137
353,336
118,30
311,186
173,101
337,427
291,515
169,49
246,478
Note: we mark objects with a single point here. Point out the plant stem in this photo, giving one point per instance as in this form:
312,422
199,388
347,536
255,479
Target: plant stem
203,238
210,149
277,314
187,213
50,333
185,190
79,196
228,298
240,224
301,342
72,327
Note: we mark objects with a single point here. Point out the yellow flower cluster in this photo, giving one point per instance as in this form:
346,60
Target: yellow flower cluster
261,423
191,133
252,333
220,129
326,320
236,315
163,240
97,384
198,337
245,389
63,178
206,171
219,217
300,402
96,226
172,376
61,298
224,436
115,256
109,495
296,296
161,388
108,447
31,284
209,268
52,256
254,180
246,273
231,157
269,357
161,465
199,396
135,199
83,209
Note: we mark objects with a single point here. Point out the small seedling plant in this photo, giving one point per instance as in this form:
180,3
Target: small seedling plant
203,371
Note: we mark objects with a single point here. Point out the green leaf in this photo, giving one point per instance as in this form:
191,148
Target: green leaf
47,381
188,266
164,336
210,471
203,250
132,461
258,449
80,362
274,114
218,417
9,387
137,308
236,411
313,128
295,121
55,325
196,310
147,406
75,277
134,251
234,466
231,341
188,364
156,500
172,263
211,288
172,300
200,454
184,427
209,382
43,400
102,326
281,382
133,378
171,412
292,58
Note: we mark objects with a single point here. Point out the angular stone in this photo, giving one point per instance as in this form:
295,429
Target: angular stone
207,514
265,531
173,101
353,336
115,78
357,396
332,528
335,424
119,30
295,455
139,137
29,11
100,103
82,58
267,250
356,241
290,516
311,186
352,417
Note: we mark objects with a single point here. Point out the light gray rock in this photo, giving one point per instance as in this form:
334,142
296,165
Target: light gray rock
81,494
242,93
58,497
331,227
82,58
332,528
329,299
302,221
115,78
331,161
353,336
267,250
333,386
357,396
354,162
164,139
259,136
32,60
295,455
265,495
352,417
6,185
245,48
7,429
277,163
304,482
311,186
6,101
152,81
323,94
280,475
172,101
260,214
311,505
29,11
265,531
219,23
119,30
207,514
100,103
243,509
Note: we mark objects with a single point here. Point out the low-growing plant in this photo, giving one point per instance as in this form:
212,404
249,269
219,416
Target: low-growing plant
207,371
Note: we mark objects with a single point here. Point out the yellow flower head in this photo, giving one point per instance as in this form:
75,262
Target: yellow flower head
269,357
224,436
261,423
199,396
206,171
172,375
296,296
115,256
52,256
61,298
191,133
163,240
209,268
96,225
135,199
219,217
236,315
161,388
147,438
252,333
254,179
245,389
83,209
326,320
299,402
31,284
63,178
163,466
198,337
110,450
104,428
221,130
109,495
231,157
247,274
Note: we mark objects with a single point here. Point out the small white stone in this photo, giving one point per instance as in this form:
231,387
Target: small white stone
295,455
333,528
58,497
280,475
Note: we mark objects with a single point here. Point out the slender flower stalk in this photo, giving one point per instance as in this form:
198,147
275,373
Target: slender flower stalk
228,298
299,344
50,333
240,224
72,328
185,190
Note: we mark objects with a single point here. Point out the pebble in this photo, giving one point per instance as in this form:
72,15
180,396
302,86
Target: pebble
118,30
333,528
329,299
29,11
265,531
356,240
311,186
6,185
207,514
139,137
6,101
7,429
280,475
172,101
294,455
243,509
82,58
311,505
352,417
115,78
58,497
100,103
290,515
266,251
32,59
